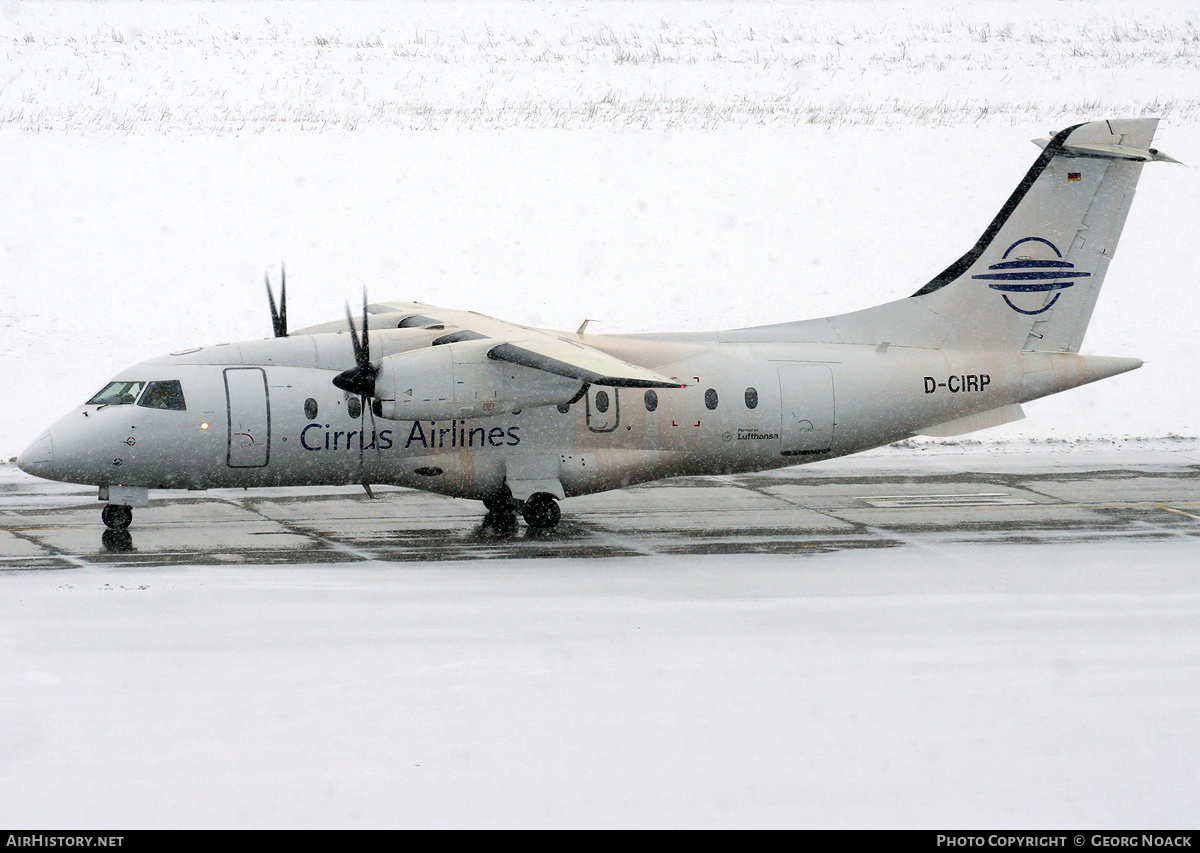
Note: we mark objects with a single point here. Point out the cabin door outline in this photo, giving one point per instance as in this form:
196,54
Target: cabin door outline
807,410
603,405
249,417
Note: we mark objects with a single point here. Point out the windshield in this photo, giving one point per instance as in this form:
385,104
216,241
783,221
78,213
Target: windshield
164,395
117,394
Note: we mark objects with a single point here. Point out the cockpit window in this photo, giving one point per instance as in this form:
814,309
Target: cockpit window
117,394
167,394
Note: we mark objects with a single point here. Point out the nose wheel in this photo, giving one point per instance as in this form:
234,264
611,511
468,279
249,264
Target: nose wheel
116,516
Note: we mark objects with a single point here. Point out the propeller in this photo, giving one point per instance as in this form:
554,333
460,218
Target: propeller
359,379
278,317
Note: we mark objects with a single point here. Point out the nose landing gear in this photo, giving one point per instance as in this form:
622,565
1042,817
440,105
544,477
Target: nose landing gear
116,516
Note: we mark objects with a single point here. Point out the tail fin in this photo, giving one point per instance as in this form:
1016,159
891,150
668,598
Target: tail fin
1031,281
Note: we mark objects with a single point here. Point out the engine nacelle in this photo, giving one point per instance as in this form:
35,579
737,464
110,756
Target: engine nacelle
458,380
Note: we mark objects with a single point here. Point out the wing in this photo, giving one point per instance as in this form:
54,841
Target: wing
551,352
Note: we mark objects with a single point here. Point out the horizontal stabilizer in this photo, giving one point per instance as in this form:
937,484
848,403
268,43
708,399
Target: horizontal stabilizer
1114,139
1114,152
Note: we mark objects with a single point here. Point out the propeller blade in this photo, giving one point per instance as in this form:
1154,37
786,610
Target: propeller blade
358,352
278,315
366,328
282,330
362,424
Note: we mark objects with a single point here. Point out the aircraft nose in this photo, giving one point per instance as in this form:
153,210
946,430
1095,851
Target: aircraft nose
38,457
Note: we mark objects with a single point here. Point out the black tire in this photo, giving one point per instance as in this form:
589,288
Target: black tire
116,516
541,511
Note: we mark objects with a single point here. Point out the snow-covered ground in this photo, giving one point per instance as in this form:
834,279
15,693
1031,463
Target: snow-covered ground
961,687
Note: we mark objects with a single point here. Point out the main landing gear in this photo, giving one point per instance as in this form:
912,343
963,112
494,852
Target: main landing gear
116,516
540,511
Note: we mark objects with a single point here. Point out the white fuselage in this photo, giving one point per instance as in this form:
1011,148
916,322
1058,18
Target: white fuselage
265,413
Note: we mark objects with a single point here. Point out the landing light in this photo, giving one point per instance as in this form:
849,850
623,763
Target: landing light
203,426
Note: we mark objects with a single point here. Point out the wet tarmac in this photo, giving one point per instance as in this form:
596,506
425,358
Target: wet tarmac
878,503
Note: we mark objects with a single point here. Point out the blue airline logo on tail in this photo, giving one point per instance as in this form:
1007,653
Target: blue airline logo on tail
1031,275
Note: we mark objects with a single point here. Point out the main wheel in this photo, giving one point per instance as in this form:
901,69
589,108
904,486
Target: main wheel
541,511
116,516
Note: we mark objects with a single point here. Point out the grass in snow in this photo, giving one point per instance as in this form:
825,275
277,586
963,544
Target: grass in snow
656,64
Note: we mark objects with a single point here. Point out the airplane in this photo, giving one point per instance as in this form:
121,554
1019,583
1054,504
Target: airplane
519,418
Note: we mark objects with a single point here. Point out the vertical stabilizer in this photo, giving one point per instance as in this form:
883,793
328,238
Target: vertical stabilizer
1031,280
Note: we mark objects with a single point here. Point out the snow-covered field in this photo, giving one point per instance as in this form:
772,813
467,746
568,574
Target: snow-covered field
985,686
653,165
646,64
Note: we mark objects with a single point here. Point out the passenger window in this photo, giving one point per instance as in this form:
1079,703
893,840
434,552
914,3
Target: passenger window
651,401
354,407
164,395
117,394
710,398
602,401
751,398
310,409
